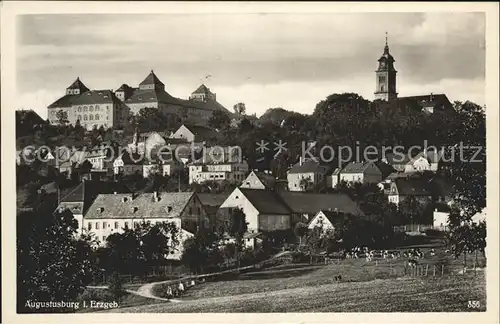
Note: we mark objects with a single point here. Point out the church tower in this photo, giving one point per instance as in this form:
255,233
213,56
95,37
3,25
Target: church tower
386,76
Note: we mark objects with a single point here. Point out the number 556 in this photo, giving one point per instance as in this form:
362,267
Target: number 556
473,304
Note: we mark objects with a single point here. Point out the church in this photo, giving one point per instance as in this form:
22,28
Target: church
96,108
386,92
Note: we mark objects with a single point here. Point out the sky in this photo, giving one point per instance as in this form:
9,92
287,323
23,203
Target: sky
291,61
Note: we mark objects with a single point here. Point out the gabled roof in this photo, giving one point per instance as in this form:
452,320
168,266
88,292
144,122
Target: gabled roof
202,89
267,180
413,187
124,87
308,203
356,167
266,202
169,205
331,215
151,79
211,199
91,97
308,166
77,84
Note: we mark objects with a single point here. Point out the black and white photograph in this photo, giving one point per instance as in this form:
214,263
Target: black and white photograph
249,158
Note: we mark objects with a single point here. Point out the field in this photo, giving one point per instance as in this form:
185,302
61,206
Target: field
376,286
450,293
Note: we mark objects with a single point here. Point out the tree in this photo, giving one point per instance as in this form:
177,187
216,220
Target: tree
317,239
52,263
239,109
219,120
237,228
116,286
62,117
300,230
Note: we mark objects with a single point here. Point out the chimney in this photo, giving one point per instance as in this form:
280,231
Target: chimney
300,161
431,97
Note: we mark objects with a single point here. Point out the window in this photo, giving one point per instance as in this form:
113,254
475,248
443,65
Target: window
96,108
96,225
126,225
85,109
190,210
381,79
79,109
90,226
104,238
116,225
79,117
84,117
104,225
96,116
91,117
199,210
91,108
382,88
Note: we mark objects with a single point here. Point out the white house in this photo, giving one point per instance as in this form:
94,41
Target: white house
259,180
323,219
264,211
232,172
128,164
306,171
113,213
413,162
441,217
193,133
358,172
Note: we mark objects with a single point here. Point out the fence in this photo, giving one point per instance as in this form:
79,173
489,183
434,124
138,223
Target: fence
418,228
425,270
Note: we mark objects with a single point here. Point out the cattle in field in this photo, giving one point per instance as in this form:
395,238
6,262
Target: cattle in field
338,278
412,263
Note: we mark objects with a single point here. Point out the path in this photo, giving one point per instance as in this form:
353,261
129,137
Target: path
146,290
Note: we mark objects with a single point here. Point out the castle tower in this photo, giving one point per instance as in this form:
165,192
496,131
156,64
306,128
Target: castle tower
386,76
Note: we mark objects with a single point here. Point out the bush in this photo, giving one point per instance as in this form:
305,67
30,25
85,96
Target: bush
96,294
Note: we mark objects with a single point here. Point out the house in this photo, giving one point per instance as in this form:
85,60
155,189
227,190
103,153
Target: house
211,203
259,180
324,219
358,172
250,240
304,205
146,142
442,213
77,199
271,211
220,154
234,172
264,210
403,188
113,213
163,163
195,133
408,163
306,171
128,163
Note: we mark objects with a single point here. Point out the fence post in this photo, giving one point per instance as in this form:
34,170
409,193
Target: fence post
434,270
426,269
442,270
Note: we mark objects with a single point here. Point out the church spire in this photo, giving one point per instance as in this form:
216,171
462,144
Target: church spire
386,75
386,48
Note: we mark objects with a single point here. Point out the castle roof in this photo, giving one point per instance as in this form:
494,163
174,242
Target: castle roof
77,84
151,79
90,97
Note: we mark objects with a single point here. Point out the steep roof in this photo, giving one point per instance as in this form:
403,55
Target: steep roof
89,189
202,89
202,131
151,79
307,203
308,166
267,180
266,202
169,205
77,84
413,187
410,157
331,215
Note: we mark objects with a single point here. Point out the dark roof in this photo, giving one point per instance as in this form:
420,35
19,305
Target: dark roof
78,85
169,204
413,187
432,157
437,101
307,203
356,167
151,79
202,89
204,132
268,180
211,199
124,87
441,187
87,98
385,168
309,166
266,202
